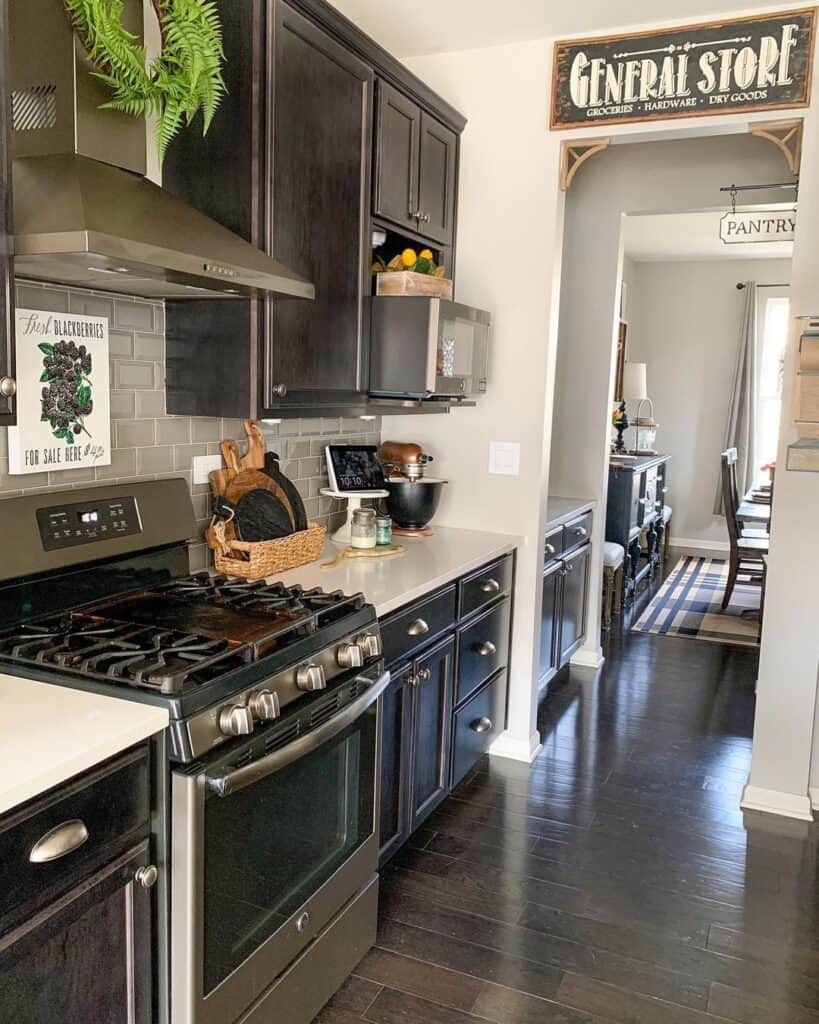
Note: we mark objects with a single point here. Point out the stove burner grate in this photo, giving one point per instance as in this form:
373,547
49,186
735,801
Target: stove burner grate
143,656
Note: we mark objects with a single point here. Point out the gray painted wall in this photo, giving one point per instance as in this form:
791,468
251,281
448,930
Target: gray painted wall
684,323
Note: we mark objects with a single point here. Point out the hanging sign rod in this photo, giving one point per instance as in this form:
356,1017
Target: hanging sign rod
754,188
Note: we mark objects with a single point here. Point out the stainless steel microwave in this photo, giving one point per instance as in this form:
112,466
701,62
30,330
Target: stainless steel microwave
428,348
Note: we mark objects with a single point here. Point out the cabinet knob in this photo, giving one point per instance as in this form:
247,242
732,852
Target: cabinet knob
426,218
418,628
481,725
424,675
279,391
581,531
490,587
487,649
8,387
569,567
147,876
550,550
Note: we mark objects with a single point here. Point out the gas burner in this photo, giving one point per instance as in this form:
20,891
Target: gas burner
136,655
203,586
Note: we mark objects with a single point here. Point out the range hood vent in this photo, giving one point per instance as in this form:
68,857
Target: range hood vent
85,214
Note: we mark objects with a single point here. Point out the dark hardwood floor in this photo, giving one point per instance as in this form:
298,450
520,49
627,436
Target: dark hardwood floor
613,879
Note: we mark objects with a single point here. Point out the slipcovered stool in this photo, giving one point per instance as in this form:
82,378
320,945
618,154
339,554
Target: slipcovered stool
614,556
667,513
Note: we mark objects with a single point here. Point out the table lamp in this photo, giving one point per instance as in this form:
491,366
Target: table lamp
635,390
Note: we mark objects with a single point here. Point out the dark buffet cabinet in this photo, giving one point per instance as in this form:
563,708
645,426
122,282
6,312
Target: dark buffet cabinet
76,900
634,508
288,164
449,656
567,555
8,386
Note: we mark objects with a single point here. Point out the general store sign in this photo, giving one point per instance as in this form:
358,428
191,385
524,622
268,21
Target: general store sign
63,401
759,63
752,227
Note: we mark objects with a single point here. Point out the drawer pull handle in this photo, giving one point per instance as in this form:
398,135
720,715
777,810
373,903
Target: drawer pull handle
418,628
487,649
59,842
551,550
581,531
490,587
481,725
146,876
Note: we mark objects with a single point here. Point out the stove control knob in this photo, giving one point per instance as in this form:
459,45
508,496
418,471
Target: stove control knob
370,643
310,677
236,720
264,705
350,655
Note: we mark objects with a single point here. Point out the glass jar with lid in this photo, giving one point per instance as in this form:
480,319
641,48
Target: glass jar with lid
363,528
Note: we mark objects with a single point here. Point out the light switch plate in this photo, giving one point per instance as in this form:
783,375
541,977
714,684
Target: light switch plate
504,458
204,464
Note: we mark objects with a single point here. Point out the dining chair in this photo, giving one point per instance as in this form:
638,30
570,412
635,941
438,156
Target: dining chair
747,553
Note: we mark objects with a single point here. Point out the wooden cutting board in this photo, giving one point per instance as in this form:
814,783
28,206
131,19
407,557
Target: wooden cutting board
243,481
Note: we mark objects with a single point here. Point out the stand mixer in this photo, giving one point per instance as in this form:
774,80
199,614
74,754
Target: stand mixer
413,498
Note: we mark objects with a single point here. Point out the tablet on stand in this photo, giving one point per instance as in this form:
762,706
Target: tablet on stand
356,476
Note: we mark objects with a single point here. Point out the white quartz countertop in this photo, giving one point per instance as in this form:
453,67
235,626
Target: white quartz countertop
49,733
427,563
560,511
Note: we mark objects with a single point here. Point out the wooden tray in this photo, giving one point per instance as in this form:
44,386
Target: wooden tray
381,551
405,282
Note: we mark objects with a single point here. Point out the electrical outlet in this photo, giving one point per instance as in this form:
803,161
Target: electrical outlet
504,458
204,464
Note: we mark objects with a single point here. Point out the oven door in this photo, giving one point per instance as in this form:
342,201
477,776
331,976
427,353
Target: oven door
462,350
265,853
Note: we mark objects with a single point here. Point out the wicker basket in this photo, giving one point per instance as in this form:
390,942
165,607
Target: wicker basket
266,558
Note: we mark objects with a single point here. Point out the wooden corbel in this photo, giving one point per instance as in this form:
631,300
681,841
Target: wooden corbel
573,154
786,136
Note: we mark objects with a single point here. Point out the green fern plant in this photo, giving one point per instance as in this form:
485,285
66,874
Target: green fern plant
184,79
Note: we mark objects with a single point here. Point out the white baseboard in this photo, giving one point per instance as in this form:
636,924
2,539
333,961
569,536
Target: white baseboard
515,749
772,801
588,658
814,798
699,545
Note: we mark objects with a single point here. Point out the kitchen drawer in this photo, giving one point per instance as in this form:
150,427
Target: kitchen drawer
577,532
485,586
411,629
553,545
483,648
111,804
477,724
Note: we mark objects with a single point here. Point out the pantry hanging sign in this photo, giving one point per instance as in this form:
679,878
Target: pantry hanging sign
758,63
63,403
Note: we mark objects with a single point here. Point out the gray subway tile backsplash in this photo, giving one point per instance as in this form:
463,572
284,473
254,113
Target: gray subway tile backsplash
147,444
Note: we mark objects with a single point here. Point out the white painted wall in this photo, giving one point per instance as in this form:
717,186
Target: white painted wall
511,209
684,322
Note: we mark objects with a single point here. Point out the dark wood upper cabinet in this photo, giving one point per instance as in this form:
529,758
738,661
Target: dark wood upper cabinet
397,149
319,172
7,367
415,168
436,190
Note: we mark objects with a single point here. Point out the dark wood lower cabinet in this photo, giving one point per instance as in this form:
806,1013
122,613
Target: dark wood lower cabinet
431,730
574,603
87,957
550,620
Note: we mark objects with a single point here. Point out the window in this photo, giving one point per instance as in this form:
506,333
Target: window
774,321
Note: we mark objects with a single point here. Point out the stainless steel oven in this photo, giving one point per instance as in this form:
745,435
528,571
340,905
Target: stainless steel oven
273,842
428,348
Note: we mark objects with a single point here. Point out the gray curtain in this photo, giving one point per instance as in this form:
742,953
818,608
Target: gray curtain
741,429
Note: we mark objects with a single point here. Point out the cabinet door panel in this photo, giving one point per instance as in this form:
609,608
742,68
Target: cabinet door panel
431,730
318,214
437,179
398,137
575,599
87,957
7,368
396,738
550,621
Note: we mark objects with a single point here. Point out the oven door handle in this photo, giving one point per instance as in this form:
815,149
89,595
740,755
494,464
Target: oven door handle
223,783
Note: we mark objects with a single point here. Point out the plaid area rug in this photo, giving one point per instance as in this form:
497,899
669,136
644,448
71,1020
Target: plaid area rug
689,604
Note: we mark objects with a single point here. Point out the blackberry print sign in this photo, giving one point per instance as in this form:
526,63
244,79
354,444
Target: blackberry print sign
63,418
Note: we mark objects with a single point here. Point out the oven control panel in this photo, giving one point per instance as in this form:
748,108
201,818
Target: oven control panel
66,526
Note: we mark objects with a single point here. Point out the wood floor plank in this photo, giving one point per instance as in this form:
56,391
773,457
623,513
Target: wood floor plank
736,1005
625,1007
418,977
393,1007
355,995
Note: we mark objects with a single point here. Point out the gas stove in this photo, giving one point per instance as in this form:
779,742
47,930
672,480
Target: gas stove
226,656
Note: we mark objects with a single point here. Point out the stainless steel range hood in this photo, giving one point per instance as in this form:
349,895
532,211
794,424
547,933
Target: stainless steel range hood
84,212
